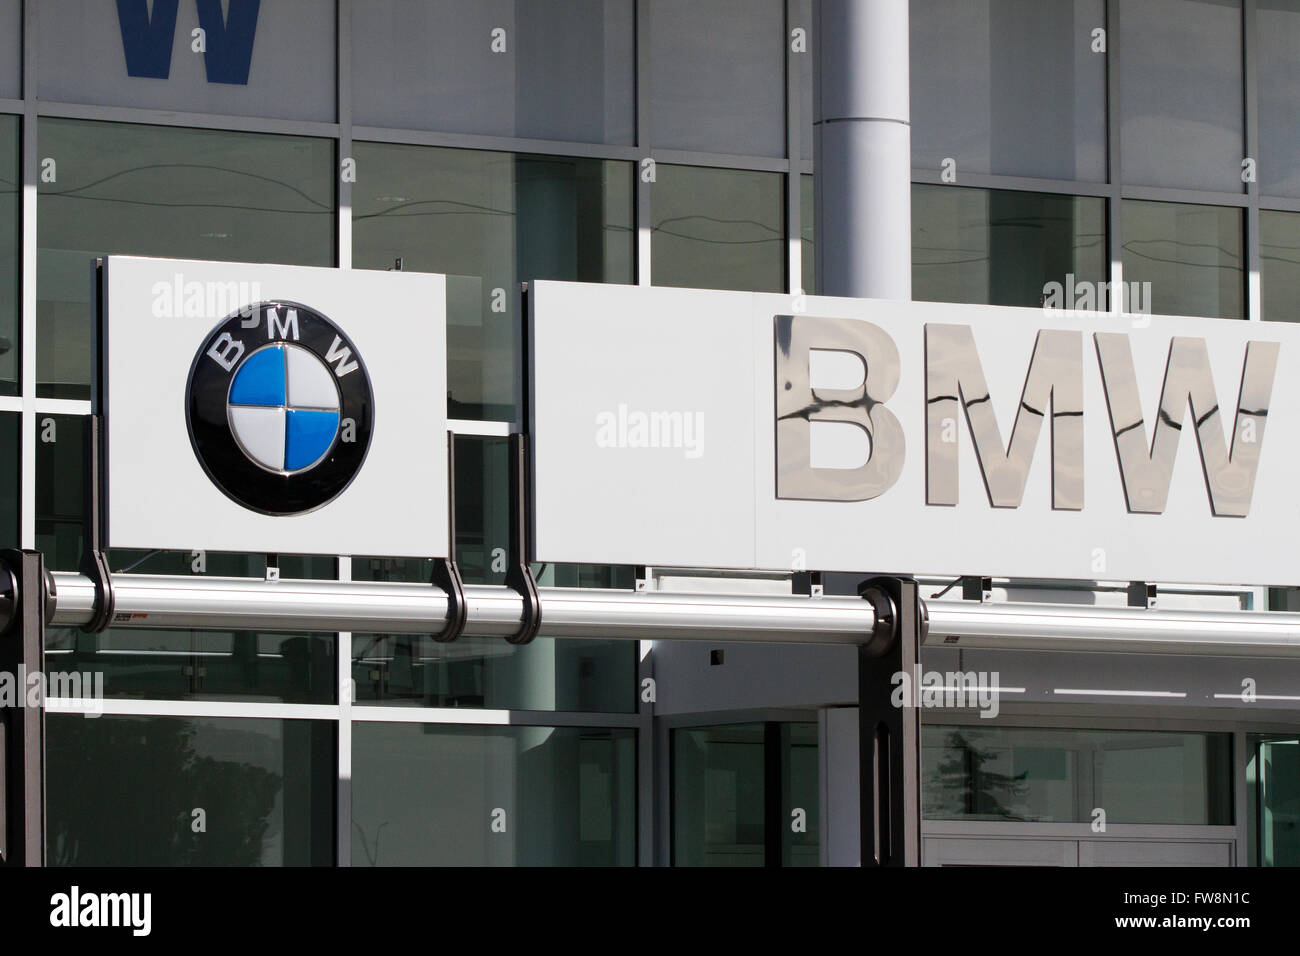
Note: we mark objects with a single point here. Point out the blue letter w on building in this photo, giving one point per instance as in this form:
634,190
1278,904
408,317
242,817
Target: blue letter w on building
147,40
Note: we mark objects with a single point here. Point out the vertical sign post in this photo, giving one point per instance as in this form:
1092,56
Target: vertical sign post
22,727
889,736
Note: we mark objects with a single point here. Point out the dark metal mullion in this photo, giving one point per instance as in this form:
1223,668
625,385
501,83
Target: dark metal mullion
772,803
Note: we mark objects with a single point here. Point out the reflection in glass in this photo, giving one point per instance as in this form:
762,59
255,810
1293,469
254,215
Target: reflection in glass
265,788
1279,261
717,229
1059,776
490,220
441,795
998,247
1191,256
165,191
1009,87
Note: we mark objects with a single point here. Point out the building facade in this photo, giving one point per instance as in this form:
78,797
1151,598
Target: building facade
1062,151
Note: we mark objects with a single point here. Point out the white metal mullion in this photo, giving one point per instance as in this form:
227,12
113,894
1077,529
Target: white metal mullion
30,162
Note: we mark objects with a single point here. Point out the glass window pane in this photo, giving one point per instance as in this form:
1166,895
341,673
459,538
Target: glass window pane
719,796
1277,822
1009,87
60,489
717,70
10,456
165,191
10,211
1181,93
492,796
1279,259
998,247
717,229
1190,255
490,220
1278,68
1060,776
561,70
800,795
266,789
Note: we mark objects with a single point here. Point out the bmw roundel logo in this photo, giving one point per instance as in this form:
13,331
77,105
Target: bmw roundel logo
280,408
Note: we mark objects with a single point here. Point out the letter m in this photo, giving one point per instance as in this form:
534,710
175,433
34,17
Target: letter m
954,377
146,42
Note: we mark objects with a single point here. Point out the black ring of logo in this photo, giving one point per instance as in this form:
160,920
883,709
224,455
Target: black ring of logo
219,359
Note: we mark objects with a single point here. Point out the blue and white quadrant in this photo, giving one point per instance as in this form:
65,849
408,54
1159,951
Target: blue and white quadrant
283,408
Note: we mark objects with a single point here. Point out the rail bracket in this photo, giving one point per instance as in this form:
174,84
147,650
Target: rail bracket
1141,594
94,565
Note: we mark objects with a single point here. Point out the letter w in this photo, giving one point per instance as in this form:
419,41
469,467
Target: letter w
229,41
147,43
340,353
1229,476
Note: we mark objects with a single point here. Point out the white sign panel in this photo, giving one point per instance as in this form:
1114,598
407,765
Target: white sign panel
741,430
274,408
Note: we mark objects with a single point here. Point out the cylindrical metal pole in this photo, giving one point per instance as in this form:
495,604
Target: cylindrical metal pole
156,601
862,149
1067,627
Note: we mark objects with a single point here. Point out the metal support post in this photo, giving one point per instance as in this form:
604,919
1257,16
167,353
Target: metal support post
889,736
22,724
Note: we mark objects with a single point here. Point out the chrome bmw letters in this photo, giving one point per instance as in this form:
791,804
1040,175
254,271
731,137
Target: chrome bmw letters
1146,472
953,376
955,387
798,404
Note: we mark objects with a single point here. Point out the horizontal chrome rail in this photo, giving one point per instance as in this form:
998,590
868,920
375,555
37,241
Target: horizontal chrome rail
155,601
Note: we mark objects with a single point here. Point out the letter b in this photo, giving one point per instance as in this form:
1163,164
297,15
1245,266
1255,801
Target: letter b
225,351
799,404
